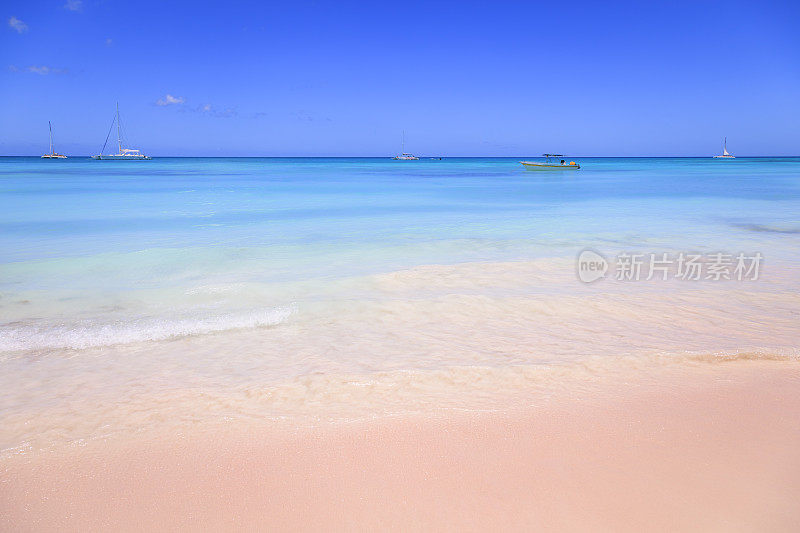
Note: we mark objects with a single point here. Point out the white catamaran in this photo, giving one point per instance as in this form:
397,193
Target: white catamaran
725,154
404,156
123,154
52,154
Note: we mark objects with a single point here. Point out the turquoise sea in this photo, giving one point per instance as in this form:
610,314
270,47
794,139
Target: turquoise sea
127,273
355,214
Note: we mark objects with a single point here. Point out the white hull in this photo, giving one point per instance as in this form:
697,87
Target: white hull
52,154
123,154
529,165
121,157
725,154
405,156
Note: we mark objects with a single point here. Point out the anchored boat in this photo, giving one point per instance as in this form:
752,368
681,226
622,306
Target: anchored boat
405,156
551,162
123,154
52,154
725,154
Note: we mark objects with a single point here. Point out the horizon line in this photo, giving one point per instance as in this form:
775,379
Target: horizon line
89,156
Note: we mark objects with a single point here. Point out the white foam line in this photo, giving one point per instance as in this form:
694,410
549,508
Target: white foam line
81,335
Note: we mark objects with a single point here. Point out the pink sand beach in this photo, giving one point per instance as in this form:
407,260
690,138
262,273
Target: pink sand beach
713,447
427,405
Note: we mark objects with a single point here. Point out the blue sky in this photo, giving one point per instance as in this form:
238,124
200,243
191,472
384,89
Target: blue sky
344,78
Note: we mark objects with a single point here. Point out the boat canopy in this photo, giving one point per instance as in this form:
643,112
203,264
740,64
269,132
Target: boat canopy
553,155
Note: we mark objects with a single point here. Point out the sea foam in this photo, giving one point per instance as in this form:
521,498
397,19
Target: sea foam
89,334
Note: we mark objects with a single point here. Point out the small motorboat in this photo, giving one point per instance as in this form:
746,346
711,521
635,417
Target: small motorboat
551,162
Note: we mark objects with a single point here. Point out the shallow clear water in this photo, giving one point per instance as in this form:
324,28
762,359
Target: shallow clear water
85,240
124,279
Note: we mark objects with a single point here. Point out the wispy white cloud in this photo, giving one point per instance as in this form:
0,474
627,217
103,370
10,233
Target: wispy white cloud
74,5
170,100
213,111
305,116
205,109
18,25
44,70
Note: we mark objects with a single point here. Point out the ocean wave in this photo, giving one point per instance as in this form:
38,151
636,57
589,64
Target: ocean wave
90,334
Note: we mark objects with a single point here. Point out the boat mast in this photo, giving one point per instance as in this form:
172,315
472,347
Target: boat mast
403,143
119,135
51,137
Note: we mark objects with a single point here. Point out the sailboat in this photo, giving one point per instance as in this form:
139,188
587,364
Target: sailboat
123,154
725,154
52,154
405,156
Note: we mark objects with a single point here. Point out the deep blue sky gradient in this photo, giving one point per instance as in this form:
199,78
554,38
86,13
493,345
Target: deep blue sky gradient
344,78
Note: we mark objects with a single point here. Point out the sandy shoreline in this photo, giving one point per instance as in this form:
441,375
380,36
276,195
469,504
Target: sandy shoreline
706,448
404,342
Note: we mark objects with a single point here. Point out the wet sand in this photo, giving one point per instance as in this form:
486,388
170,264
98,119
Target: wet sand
711,447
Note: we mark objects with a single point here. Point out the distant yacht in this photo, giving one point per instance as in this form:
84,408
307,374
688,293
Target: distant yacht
123,154
52,154
725,154
405,156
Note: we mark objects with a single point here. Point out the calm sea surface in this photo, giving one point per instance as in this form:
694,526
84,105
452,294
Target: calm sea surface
310,266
